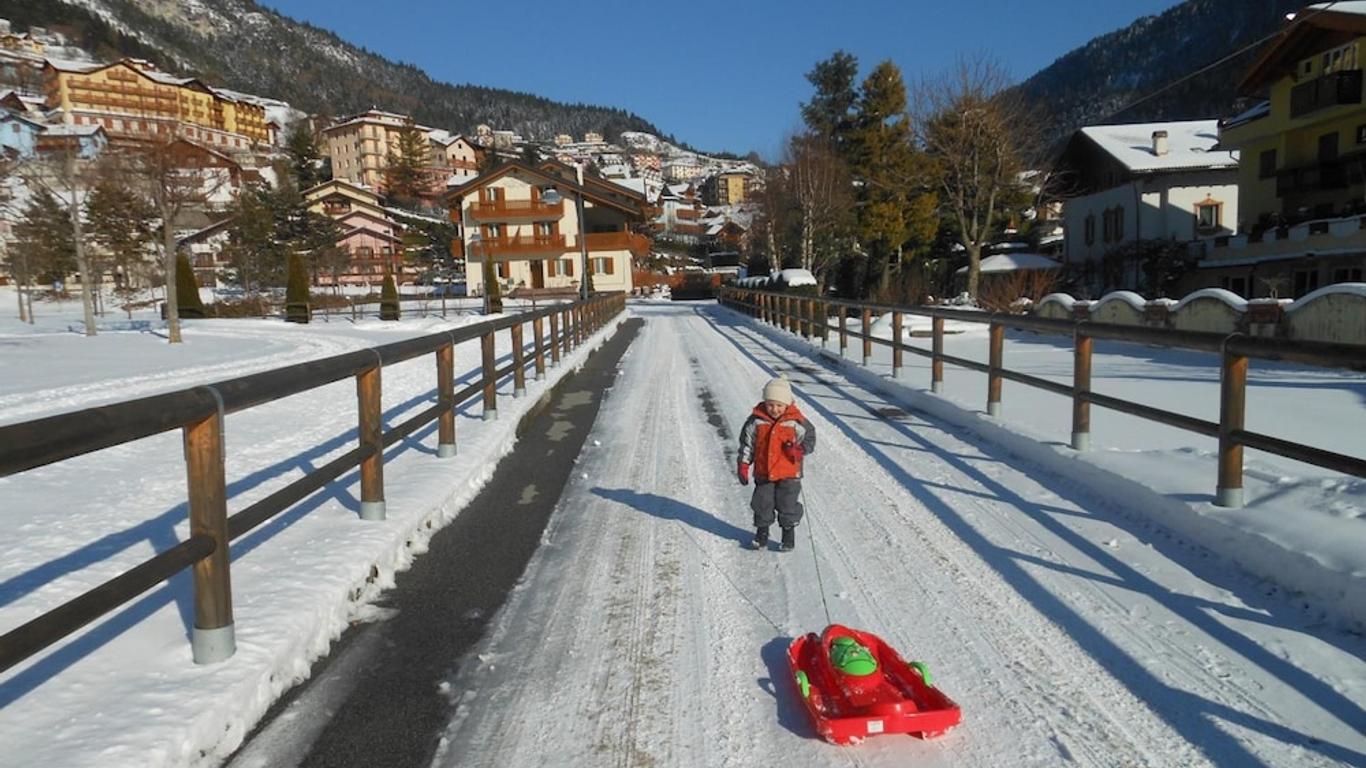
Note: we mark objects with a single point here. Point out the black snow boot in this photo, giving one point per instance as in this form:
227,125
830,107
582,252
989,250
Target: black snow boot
760,538
789,539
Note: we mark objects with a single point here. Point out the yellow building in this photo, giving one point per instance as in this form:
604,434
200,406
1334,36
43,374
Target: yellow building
131,99
1302,163
726,188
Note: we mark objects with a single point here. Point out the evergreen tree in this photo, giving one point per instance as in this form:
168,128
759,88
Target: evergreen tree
305,158
828,114
121,222
389,308
46,238
254,251
296,294
187,288
405,163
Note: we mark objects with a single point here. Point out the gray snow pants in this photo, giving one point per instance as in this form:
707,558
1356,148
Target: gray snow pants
780,496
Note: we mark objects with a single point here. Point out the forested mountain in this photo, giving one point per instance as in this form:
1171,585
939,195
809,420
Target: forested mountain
1090,84
240,45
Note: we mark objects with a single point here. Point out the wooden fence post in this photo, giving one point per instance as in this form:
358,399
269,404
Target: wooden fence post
1081,385
867,335
371,436
998,338
538,328
213,638
490,377
445,395
937,358
1232,410
554,339
844,328
518,362
896,345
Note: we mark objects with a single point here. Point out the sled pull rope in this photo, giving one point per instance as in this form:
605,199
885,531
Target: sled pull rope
811,534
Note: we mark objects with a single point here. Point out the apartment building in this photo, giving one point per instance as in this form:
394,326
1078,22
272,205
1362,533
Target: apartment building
360,147
131,100
1302,172
535,245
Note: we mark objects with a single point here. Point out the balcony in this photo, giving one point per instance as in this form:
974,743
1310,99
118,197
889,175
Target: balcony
1323,177
618,241
1331,90
505,248
509,210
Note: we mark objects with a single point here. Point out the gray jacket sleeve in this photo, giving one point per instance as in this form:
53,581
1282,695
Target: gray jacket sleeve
747,440
808,436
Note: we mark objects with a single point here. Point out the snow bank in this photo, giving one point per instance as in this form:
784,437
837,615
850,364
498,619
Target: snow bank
1128,297
1337,289
794,278
1233,300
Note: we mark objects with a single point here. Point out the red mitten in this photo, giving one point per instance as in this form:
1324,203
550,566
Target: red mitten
793,451
742,469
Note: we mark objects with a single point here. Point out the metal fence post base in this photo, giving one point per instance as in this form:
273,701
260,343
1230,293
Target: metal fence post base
490,414
937,387
372,510
540,376
211,646
445,450
519,392
1081,441
993,409
1232,498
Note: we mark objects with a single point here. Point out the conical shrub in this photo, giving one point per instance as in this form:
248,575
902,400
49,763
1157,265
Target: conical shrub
296,291
388,298
188,303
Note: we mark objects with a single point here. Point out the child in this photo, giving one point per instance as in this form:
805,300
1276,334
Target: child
775,438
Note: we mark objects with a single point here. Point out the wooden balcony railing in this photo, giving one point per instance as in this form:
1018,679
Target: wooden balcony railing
532,245
504,210
618,241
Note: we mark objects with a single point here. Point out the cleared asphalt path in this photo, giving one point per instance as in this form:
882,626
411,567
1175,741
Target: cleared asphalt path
379,699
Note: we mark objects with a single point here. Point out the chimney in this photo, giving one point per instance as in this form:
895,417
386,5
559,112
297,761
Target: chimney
1159,143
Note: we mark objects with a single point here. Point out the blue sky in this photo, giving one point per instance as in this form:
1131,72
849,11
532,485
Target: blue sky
718,75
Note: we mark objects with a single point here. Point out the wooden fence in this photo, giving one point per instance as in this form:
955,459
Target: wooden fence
200,412
809,316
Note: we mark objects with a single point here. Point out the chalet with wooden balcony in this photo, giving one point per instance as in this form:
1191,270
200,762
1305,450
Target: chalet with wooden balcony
371,237
535,245
1302,171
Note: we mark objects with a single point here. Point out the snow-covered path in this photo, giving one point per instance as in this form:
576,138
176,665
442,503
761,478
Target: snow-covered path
1070,632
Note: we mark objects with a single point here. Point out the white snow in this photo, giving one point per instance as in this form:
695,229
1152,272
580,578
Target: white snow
1346,289
793,278
1128,297
1190,144
1010,262
1065,300
1228,297
1090,610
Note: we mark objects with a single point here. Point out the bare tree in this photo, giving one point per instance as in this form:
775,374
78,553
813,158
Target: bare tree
178,176
822,191
65,169
978,137
15,260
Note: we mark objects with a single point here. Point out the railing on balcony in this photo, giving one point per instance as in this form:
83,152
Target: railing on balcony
618,241
522,245
502,210
1331,90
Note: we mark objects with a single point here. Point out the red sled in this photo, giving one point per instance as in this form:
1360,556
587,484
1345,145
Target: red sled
855,686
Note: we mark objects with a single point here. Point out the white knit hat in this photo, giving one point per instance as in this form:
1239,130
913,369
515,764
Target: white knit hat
778,390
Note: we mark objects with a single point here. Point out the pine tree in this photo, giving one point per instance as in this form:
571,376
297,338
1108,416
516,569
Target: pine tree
45,238
296,294
405,163
305,158
121,222
389,307
254,251
187,288
828,114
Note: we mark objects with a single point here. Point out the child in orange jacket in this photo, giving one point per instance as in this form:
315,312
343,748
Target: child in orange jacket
774,440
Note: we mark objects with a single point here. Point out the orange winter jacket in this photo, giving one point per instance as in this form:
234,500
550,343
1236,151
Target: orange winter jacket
762,438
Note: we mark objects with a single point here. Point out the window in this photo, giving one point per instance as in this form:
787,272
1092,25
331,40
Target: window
1091,229
1361,134
1306,281
1267,164
568,267
1328,147
552,268
1237,285
1207,215
1347,275
503,270
1119,223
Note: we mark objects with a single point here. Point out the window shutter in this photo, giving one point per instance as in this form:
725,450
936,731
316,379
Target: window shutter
609,264
569,268
552,267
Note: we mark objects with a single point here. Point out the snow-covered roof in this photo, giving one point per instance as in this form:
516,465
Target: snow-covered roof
1357,7
793,278
1259,111
1009,262
62,129
1190,144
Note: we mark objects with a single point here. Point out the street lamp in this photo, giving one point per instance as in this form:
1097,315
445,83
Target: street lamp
553,197
485,266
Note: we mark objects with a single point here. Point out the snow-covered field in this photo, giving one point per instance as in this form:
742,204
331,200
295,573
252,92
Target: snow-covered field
1069,630
1072,629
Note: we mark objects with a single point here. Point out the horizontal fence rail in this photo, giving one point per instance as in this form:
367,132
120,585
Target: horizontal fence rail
810,317
200,413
